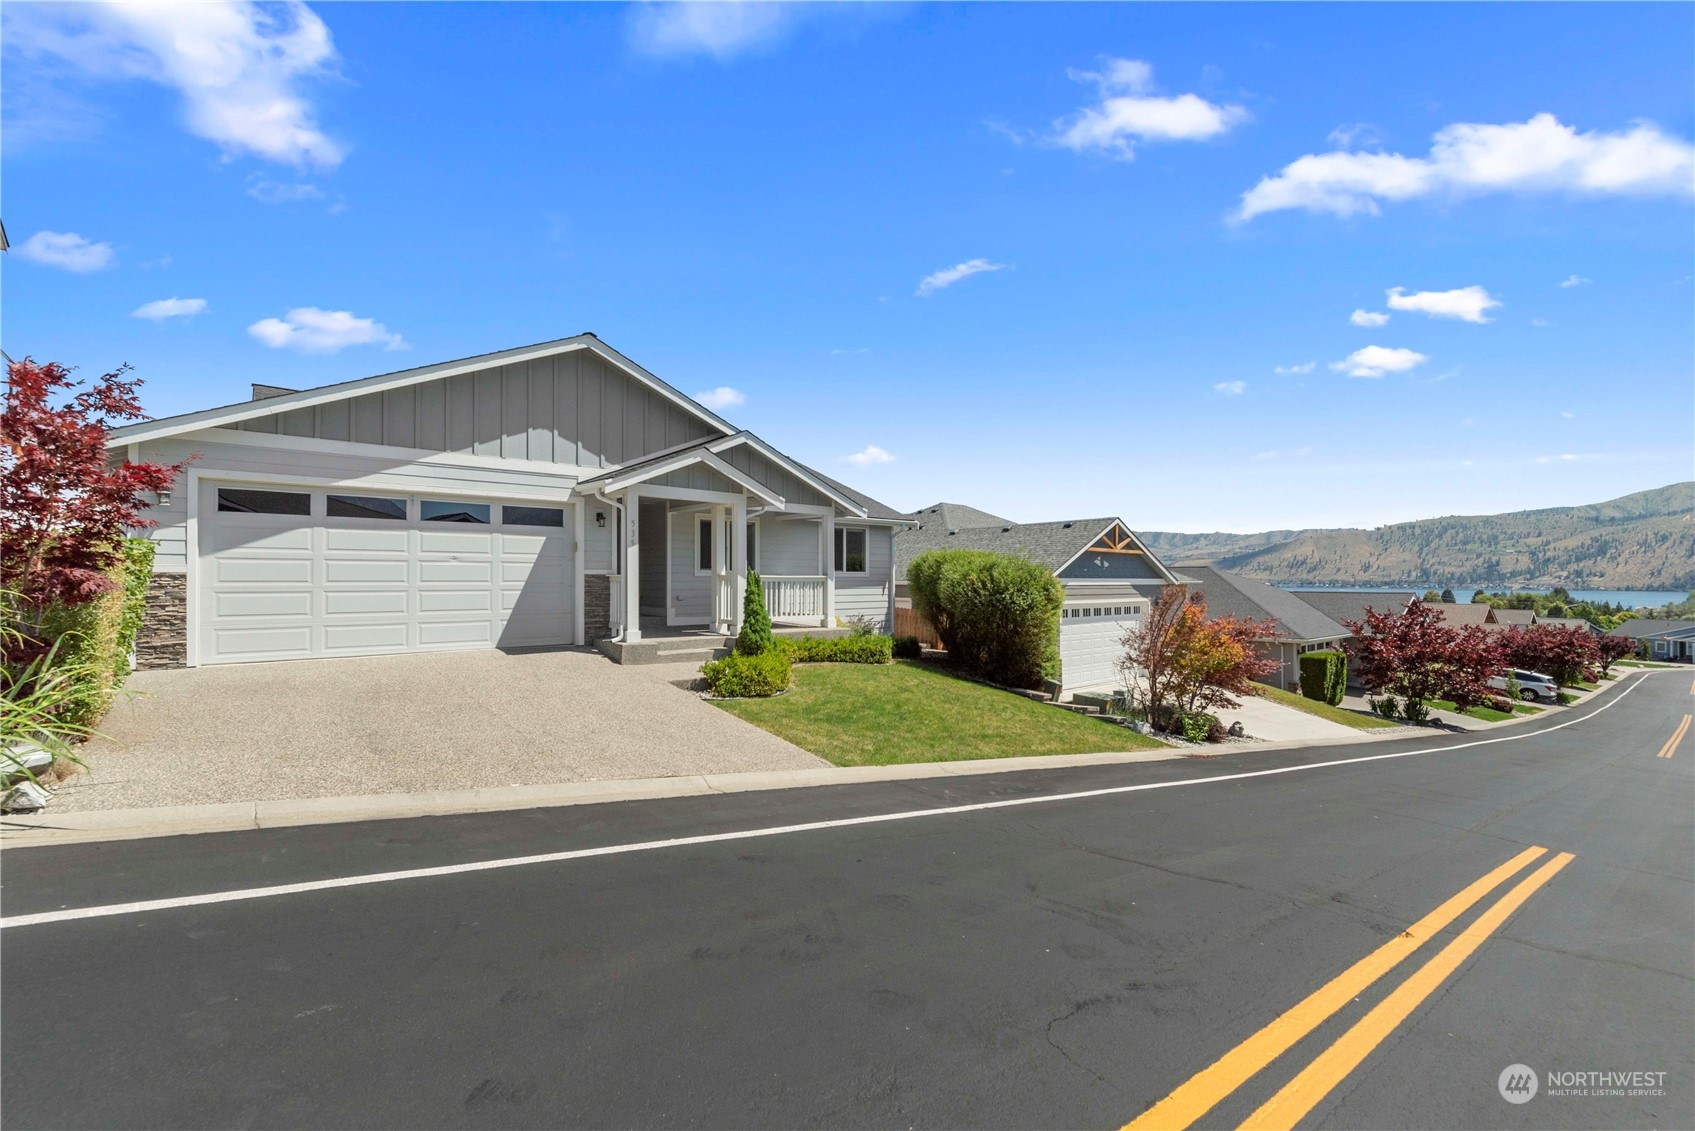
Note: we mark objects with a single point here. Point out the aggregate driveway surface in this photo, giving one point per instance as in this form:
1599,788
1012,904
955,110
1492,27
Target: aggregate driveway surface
414,723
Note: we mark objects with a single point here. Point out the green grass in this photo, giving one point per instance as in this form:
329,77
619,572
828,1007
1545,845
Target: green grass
883,714
1485,714
1586,686
1323,710
1640,664
1526,709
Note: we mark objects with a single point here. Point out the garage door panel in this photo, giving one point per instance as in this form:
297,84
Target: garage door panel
364,569
380,541
268,604
364,603
365,637
294,586
264,643
264,571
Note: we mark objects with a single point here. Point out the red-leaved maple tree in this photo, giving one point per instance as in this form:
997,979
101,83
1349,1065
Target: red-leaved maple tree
1611,649
1182,661
1567,654
65,508
1417,655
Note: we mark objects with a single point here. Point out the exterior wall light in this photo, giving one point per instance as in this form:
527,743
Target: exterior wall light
600,519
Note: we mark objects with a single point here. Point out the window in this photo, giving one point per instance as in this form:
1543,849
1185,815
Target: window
435,510
850,549
264,502
532,516
365,506
753,546
703,546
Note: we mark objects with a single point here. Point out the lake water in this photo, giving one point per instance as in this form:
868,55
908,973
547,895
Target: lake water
1629,598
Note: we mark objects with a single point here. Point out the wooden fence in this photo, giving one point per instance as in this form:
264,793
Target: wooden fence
908,622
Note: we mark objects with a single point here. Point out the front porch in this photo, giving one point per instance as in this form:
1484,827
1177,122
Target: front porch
661,643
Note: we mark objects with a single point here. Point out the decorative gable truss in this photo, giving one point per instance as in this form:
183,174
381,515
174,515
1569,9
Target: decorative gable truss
1116,555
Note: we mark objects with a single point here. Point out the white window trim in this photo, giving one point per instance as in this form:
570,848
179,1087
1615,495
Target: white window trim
841,533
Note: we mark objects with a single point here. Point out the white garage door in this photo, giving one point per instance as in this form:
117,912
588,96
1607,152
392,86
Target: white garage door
296,573
1090,642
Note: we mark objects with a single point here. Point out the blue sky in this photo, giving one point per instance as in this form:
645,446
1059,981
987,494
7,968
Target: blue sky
1049,260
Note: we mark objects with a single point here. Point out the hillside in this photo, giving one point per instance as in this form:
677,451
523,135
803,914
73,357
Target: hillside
1640,541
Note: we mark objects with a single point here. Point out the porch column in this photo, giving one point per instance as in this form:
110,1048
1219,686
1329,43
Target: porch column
738,557
632,565
579,631
720,566
827,560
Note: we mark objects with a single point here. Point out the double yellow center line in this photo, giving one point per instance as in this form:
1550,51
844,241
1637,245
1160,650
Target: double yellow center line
1211,1085
1670,747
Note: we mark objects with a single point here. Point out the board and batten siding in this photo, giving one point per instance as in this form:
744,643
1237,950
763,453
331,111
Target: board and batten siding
571,408
691,594
744,458
868,594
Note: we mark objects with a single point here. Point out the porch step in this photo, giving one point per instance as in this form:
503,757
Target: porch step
667,650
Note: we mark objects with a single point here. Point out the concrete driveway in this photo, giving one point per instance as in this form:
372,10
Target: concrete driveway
407,724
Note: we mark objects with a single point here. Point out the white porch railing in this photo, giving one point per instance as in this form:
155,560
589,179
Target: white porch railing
794,597
726,610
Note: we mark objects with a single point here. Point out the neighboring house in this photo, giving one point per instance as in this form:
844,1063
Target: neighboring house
1459,616
546,495
1342,606
1661,639
1298,627
1109,577
1568,622
1523,618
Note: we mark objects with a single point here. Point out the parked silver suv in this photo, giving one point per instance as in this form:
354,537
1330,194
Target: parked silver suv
1531,685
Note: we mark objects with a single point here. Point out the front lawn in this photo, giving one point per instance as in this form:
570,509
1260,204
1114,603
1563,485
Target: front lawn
882,714
1323,710
1485,714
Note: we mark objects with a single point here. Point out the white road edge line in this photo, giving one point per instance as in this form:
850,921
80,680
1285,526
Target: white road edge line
74,913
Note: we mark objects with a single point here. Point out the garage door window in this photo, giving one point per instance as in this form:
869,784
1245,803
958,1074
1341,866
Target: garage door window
532,516
435,510
264,502
366,506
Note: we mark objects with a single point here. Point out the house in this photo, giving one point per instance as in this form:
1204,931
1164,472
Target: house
1661,639
1568,622
1460,616
1342,605
1298,627
546,495
1108,576
1523,618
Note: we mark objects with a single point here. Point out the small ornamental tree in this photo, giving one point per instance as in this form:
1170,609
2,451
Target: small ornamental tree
1417,656
65,508
1569,655
1610,649
755,638
1181,662
1448,597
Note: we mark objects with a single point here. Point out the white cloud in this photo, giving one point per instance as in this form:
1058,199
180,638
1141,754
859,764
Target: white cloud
1563,457
1231,388
1575,281
1569,415
1128,112
1540,322
1290,370
1468,304
1540,155
310,330
1360,133
948,276
67,251
273,192
160,309
721,397
872,454
1368,318
1375,361
721,29
237,66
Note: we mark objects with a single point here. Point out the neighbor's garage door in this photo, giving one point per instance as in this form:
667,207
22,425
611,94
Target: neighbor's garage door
1090,642
292,574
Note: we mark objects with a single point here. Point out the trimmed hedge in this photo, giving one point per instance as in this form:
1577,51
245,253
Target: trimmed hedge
997,615
870,649
747,677
1324,676
98,636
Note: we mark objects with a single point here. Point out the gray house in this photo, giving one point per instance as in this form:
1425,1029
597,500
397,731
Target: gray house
547,495
1109,577
1299,627
1661,639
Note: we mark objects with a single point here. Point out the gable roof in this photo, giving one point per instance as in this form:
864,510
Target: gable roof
1641,627
1340,605
1229,594
1525,617
1461,615
305,398
956,516
1051,544
706,451
1565,622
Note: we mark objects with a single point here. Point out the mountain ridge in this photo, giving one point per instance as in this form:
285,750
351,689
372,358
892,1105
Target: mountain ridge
1644,540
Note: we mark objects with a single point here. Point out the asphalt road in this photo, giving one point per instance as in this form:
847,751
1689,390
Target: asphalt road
1058,962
